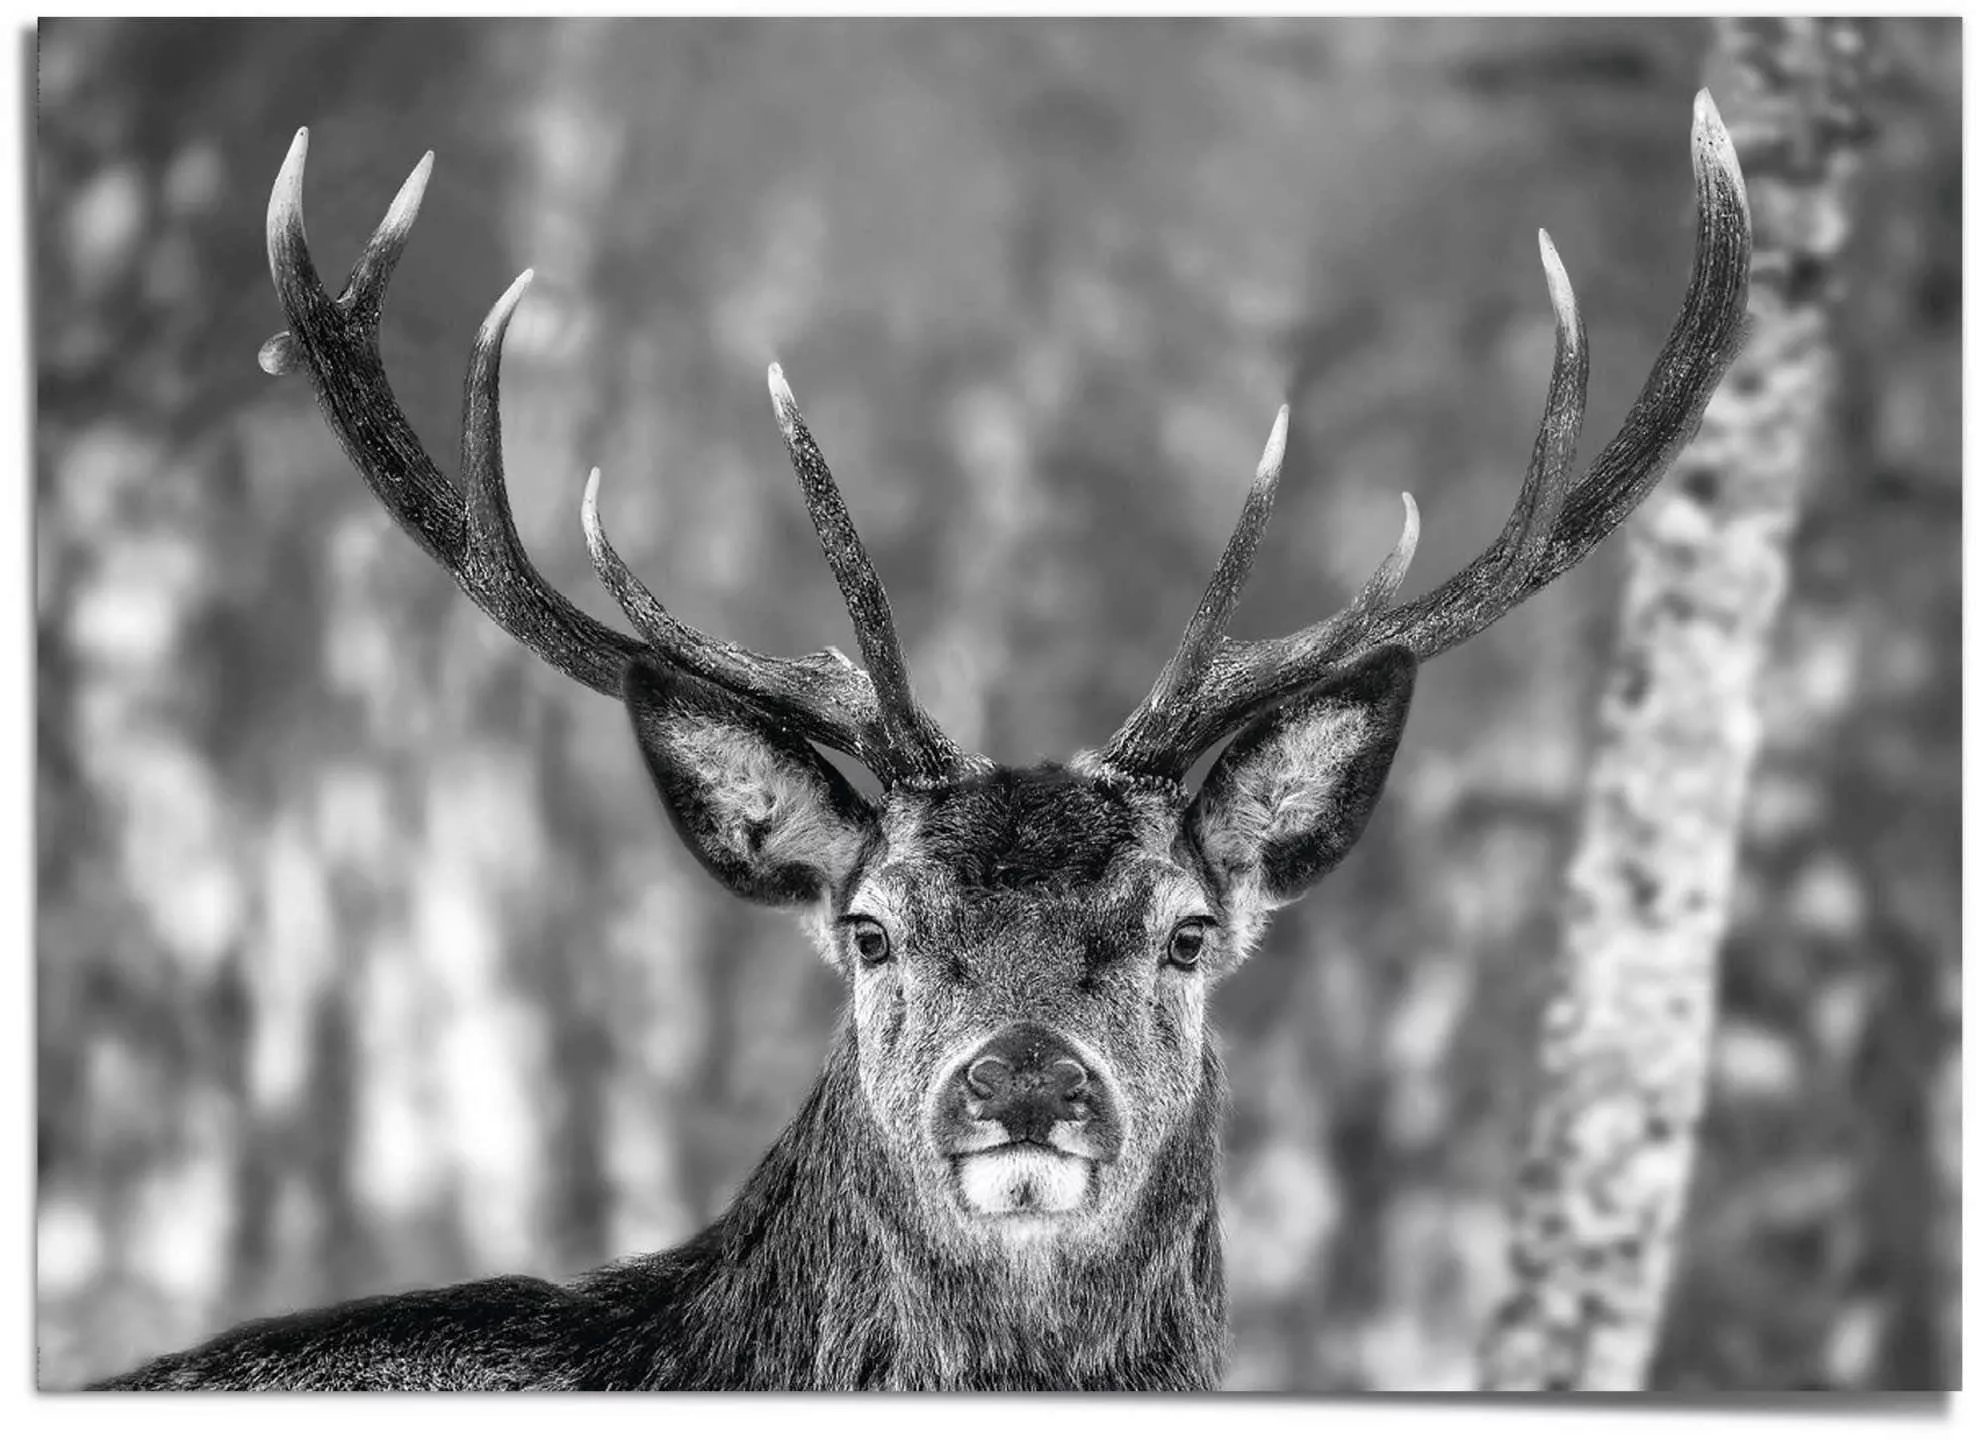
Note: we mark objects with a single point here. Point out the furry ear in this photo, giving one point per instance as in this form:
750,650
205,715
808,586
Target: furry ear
1291,794
768,816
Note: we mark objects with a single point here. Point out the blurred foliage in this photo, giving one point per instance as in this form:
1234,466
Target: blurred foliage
365,958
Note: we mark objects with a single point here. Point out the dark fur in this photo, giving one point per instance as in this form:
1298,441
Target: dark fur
1040,825
828,1271
815,1278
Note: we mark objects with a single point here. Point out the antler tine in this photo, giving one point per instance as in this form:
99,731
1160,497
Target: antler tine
1553,524
1490,585
495,570
1209,624
1545,483
823,695
1161,716
372,272
920,746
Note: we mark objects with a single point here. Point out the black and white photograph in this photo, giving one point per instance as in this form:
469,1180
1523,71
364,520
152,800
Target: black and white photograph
920,703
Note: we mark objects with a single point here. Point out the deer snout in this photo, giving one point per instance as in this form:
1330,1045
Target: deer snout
1028,1080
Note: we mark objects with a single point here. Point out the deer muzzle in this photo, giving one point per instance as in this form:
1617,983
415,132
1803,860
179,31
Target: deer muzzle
1026,1119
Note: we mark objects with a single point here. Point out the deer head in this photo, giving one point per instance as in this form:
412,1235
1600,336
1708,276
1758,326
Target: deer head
1028,951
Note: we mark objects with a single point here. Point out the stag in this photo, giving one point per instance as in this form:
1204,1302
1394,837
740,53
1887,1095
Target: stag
1005,1175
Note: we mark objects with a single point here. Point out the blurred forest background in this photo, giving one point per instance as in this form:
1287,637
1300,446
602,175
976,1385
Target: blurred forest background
366,958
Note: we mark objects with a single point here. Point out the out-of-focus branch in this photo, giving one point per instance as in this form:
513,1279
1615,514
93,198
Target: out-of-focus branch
1624,1054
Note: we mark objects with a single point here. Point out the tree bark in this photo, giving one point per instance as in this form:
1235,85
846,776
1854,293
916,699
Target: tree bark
1624,1054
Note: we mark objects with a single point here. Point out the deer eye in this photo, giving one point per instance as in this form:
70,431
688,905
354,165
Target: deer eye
869,939
1189,938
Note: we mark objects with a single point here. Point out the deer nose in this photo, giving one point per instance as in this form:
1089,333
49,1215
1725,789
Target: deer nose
1027,1080
992,1078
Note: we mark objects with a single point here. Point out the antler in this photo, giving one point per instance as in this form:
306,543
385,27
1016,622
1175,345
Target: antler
1213,684
822,696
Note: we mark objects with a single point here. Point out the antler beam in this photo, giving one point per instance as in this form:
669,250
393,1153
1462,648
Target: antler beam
822,696
1214,684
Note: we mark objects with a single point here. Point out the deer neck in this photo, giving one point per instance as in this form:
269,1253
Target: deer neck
832,1232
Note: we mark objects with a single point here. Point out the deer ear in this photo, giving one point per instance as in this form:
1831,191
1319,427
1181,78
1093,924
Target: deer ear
1291,794
768,816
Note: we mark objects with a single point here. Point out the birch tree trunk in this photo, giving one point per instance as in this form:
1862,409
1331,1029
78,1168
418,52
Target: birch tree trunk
1624,1054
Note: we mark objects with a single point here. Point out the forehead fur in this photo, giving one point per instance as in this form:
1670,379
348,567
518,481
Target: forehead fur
1044,824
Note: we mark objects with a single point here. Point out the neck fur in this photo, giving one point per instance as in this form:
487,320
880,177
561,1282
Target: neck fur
825,1273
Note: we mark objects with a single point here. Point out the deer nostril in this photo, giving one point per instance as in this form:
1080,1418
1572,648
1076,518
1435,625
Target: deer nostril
989,1077
1070,1079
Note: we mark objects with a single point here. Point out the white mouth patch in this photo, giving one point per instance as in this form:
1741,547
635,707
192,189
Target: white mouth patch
1025,1180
